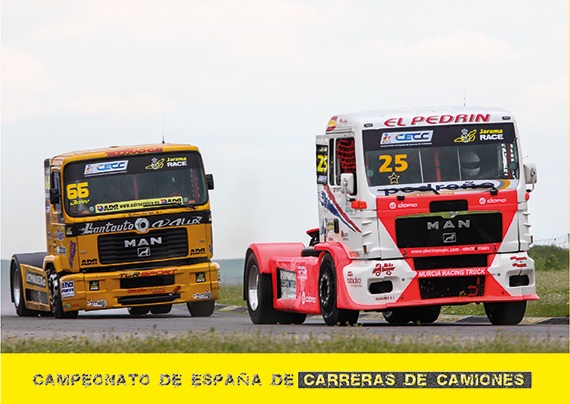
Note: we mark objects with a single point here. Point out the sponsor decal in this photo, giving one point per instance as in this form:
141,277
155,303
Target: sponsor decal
176,162
35,279
202,296
307,298
484,201
328,201
152,290
155,272
466,136
491,134
89,261
142,225
302,273
138,204
386,267
67,289
100,304
436,119
200,277
353,280
156,164
128,152
407,137
287,284
402,205
518,262
107,167
441,273
448,187
94,285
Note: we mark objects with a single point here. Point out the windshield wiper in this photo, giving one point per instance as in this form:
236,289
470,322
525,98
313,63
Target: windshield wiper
423,188
485,185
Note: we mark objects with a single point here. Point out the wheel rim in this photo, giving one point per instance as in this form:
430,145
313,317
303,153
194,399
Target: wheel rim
54,291
252,287
16,288
325,293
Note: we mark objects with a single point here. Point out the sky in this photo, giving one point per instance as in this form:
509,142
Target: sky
252,82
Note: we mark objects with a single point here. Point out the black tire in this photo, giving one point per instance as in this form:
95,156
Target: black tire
139,310
54,282
327,297
18,292
161,309
201,309
259,294
505,313
291,318
425,314
398,316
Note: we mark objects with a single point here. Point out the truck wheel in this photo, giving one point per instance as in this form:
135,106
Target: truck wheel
161,309
55,297
291,318
505,313
18,293
259,294
138,310
327,297
201,309
397,316
425,315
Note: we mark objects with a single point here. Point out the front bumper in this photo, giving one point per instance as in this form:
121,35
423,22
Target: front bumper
381,285
109,290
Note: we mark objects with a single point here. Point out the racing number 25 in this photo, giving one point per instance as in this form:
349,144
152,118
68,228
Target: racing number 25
390,164
79,190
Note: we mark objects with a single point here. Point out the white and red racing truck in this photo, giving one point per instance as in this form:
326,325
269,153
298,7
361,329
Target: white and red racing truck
418,209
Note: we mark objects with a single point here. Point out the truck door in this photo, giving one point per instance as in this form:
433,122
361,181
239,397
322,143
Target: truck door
338,220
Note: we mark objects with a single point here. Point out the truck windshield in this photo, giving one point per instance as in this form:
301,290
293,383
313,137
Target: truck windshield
425,155
131,183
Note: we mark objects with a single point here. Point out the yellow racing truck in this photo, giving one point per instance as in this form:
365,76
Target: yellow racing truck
126,227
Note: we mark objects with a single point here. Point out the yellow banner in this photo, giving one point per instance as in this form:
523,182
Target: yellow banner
282,378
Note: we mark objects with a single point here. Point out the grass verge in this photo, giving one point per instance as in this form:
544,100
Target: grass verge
255,342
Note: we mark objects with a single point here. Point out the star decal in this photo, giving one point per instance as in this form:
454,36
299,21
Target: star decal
394,178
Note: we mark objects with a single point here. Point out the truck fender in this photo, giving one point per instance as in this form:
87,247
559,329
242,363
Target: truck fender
339,254
265,252
35,259
58,262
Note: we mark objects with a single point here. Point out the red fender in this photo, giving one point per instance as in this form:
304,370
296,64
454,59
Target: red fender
339,254
265,252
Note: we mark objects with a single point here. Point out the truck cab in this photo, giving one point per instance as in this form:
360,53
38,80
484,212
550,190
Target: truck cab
125,227
418,209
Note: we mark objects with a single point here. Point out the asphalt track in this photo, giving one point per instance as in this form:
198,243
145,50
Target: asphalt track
234,320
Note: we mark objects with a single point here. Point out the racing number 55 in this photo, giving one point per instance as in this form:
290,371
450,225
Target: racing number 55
399,163
79,190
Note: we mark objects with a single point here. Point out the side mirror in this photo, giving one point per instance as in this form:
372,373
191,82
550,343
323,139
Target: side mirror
210,181
347,183
53,196
530,174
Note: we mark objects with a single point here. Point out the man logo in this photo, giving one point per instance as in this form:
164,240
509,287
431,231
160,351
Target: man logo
449,238
143,252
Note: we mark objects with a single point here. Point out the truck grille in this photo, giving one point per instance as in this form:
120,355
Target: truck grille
133,247
435,230
433,288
